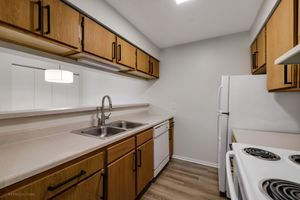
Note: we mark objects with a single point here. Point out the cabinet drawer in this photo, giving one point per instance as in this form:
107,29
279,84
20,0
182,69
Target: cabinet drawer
55,183
88,189
144,137
116,151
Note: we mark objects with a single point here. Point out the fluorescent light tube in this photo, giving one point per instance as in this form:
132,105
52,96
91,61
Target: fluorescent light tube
98,64
180,1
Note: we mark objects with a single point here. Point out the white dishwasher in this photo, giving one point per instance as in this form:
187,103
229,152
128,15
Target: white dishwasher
161,146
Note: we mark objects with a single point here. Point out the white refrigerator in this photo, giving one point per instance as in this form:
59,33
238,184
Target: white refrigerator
245,103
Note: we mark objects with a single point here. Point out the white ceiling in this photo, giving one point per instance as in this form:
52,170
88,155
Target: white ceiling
168,24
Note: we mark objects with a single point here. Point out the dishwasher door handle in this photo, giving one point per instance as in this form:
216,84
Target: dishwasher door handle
233,194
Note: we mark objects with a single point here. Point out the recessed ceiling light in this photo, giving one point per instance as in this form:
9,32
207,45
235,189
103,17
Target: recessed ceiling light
181,1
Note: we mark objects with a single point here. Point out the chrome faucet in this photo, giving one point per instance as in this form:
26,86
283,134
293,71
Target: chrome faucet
101,121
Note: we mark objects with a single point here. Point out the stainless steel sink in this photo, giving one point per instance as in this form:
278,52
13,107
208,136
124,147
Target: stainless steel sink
125,124
100,132
108,130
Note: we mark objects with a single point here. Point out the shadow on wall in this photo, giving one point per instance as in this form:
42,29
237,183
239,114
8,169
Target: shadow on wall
287,101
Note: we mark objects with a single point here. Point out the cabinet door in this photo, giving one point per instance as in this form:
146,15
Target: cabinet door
143,61
154,67
298,21
126,53
61,23
98,41
280,38
254,55
121,178
261,48
25,14
144,165
89,189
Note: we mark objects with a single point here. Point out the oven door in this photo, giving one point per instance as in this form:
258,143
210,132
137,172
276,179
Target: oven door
235,186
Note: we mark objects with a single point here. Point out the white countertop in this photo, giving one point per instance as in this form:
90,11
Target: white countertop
270,139
23,159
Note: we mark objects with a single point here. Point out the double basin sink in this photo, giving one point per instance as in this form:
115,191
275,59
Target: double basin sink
109,130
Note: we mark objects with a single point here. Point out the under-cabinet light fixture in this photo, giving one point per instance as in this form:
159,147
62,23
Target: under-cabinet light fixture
98,64
58,76
180,1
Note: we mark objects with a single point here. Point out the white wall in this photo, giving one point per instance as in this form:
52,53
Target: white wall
263,14
23,88
105,14
188,87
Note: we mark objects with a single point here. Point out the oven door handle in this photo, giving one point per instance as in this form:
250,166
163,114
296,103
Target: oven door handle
233,194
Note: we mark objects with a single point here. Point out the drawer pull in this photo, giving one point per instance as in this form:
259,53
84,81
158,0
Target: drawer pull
81,173
113,50
103,186
140,158
48,19
133,162
39,28
120,52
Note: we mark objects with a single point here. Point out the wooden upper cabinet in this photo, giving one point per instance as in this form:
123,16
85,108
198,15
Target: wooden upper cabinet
144,165
154,67
98,40
258,53
261,48
143,61
253,50
280,38
61,23
121,178
126,53
25,14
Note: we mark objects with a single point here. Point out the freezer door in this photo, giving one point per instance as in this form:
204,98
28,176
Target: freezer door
223,97
222,149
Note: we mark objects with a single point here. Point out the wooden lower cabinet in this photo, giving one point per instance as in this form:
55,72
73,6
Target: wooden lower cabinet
144,165
89,189
121,178
78,177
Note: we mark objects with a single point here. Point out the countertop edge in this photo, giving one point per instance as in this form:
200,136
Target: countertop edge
66,110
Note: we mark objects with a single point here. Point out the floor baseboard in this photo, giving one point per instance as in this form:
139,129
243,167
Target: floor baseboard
201,162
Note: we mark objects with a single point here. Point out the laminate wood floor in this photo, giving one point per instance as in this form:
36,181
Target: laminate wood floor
183,180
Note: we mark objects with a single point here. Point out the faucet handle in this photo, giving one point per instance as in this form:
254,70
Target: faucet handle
107,117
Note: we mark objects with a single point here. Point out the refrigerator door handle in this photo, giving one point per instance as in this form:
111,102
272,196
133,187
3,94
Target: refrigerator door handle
225,113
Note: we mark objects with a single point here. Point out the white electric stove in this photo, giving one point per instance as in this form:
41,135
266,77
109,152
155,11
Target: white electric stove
263,173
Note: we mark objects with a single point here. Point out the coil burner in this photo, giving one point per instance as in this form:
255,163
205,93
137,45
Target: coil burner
263,154
295,159
278,189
